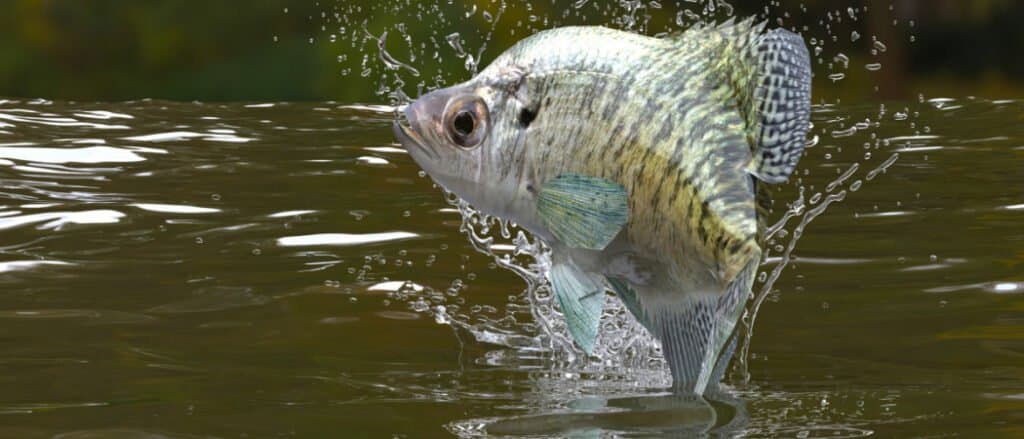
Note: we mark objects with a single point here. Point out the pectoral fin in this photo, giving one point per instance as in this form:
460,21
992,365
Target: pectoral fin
583,212
581,296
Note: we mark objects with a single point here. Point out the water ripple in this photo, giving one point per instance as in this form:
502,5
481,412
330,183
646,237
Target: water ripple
342,239
174,208
178,136
57,220
90,154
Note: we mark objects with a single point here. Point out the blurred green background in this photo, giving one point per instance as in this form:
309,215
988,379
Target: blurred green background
256,50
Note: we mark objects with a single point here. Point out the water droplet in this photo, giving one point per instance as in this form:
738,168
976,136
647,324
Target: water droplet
842,58
455,41
389,61
854,36
845,132
933,258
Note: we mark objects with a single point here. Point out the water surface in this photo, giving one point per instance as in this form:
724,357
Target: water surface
274,270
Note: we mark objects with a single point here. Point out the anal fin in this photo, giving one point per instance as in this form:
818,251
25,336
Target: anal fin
581,297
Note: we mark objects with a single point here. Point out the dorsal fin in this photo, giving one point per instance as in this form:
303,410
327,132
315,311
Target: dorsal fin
780,106
770,76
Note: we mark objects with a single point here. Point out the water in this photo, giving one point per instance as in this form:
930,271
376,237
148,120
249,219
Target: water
195,270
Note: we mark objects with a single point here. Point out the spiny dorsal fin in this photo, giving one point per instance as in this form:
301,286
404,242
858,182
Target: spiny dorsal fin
581,211
780,107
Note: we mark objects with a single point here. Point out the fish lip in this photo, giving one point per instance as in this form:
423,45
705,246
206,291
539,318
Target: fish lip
409,138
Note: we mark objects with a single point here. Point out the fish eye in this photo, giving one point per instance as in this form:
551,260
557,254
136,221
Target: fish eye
466,121
463,123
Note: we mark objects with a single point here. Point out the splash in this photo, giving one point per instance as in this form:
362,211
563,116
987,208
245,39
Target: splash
531,326
623,345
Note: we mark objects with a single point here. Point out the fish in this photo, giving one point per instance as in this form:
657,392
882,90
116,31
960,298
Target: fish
643,164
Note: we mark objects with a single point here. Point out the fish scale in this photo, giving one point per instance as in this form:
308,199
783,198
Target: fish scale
636,159
643,163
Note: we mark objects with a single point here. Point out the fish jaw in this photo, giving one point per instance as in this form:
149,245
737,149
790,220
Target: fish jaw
419,130
412,142
430,159
415,130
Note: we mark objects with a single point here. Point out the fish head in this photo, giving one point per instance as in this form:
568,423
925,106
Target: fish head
466,138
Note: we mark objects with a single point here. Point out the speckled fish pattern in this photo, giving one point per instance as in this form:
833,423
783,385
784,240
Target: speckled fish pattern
680,131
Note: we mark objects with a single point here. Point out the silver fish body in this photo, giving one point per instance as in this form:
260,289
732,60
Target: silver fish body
638,160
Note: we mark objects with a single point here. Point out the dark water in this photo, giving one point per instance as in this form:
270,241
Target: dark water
203,270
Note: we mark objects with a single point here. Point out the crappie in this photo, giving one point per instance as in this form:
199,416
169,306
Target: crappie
640,161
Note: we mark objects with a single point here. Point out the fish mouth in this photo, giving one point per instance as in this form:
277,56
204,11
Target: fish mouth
410,139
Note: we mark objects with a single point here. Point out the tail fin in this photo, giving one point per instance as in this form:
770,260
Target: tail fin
779,109
697,331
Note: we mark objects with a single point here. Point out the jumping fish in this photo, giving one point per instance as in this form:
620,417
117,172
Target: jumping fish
641,162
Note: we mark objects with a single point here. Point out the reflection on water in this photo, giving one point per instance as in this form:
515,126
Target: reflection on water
196,270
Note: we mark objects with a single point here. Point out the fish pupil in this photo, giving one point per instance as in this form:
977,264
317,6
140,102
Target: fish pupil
526,116
464,123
